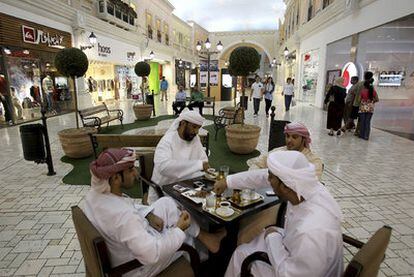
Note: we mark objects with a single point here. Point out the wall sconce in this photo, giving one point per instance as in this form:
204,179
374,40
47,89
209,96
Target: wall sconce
286,51
152,55
92,40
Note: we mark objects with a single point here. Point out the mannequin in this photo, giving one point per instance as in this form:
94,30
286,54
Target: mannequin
6,100
16,103
47,86
35,93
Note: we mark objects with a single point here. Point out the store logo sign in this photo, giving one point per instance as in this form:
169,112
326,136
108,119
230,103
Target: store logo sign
33,36
348,71
103,51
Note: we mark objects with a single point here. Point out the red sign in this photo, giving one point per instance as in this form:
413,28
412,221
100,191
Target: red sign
33,36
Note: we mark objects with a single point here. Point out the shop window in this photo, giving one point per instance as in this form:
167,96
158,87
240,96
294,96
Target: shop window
110,8
125,17
159,36
150,31
118,13
131,20
310,10
101,6
326,3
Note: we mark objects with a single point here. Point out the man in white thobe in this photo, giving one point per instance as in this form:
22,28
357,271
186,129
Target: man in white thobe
311,242
179,155
150,234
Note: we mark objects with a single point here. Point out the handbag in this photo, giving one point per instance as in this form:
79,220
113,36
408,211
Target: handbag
293,102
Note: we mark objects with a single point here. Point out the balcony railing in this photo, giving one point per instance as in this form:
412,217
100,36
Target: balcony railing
117,13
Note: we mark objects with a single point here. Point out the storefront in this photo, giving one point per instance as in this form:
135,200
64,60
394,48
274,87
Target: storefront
110,75
387,51
182,73
27,73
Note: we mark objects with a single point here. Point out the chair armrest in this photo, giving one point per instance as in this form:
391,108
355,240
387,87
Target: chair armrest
96,120
256,256
194,257
153,185
124,268
351,241
119,111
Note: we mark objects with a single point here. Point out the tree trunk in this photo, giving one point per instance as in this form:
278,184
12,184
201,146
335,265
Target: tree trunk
241,106
76,102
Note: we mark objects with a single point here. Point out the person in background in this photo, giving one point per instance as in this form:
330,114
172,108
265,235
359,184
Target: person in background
366,109
268,94
197,99
164,88
336,99
357,100
288,92
16,104
256,94
180,98
349,101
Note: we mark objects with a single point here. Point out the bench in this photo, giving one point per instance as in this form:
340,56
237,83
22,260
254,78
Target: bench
98,115
143,141
209,103
227,116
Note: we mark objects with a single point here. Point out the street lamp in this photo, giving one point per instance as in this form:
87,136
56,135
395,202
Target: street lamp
207,46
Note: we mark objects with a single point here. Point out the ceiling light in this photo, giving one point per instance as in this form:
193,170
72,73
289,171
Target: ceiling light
7,51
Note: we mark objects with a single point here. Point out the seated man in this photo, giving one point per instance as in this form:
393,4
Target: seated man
311,242
180,98
150,234
179,155
297,138
197,100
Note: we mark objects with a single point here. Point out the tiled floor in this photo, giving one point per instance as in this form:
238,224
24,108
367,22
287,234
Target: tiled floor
372,181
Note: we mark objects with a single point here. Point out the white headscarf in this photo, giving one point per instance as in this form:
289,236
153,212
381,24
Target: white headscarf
295,171
187,115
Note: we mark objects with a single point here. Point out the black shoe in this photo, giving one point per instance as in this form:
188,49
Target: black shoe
338,133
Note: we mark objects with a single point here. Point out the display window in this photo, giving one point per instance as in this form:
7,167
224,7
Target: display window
309,82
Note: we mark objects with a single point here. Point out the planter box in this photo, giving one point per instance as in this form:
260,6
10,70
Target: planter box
143,111
242,139
76,143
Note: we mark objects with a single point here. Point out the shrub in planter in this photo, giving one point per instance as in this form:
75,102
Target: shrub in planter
142,112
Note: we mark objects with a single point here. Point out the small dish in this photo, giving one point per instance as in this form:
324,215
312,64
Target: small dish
211,176
225,211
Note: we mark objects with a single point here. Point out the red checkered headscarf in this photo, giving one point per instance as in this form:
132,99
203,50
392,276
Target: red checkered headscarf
299,129
112,161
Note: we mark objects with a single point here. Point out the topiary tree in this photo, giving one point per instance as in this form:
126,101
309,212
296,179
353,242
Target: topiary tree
243,61
142,69
73,63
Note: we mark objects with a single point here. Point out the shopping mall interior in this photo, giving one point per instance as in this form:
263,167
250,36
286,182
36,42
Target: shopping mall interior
267,138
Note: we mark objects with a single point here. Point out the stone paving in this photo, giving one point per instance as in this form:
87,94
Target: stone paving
371,180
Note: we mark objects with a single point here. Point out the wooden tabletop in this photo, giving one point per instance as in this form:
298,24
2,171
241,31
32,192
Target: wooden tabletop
208,221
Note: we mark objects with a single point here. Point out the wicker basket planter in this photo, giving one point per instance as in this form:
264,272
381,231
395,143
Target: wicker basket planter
242,139
142,111
76,143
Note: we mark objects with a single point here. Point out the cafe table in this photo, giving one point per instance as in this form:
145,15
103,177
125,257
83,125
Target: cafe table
212,223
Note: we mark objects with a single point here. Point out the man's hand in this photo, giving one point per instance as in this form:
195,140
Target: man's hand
206,166
220,187
282,93
273,229
156,222
184,221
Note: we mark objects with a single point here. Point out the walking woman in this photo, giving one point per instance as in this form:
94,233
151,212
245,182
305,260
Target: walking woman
268,94
366,109
336,99
288,93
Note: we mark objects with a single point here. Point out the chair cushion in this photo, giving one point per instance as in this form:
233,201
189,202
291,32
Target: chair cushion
87,233
180,267
371,255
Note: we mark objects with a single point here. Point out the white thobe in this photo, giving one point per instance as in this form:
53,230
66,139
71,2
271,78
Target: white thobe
311,243
175,160
129,236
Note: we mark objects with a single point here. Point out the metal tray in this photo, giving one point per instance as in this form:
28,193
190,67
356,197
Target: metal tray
247,203
236,214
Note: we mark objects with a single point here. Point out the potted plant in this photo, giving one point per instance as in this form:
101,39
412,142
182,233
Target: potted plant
243,138
73,63
143,111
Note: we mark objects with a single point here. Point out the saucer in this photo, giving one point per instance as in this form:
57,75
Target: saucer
224,211
211,176
250,198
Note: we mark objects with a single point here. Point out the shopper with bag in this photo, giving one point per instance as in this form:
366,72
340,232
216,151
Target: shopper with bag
268,94
366,109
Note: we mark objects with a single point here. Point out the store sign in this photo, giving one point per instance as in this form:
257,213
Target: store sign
35,36
391,78
349,71
104,51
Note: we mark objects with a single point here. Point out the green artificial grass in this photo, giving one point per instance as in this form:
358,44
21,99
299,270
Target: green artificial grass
219,154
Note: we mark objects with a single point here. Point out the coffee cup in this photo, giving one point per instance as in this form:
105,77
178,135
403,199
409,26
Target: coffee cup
211,170
225,204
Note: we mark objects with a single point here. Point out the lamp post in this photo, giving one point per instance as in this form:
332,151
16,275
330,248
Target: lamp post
207,46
